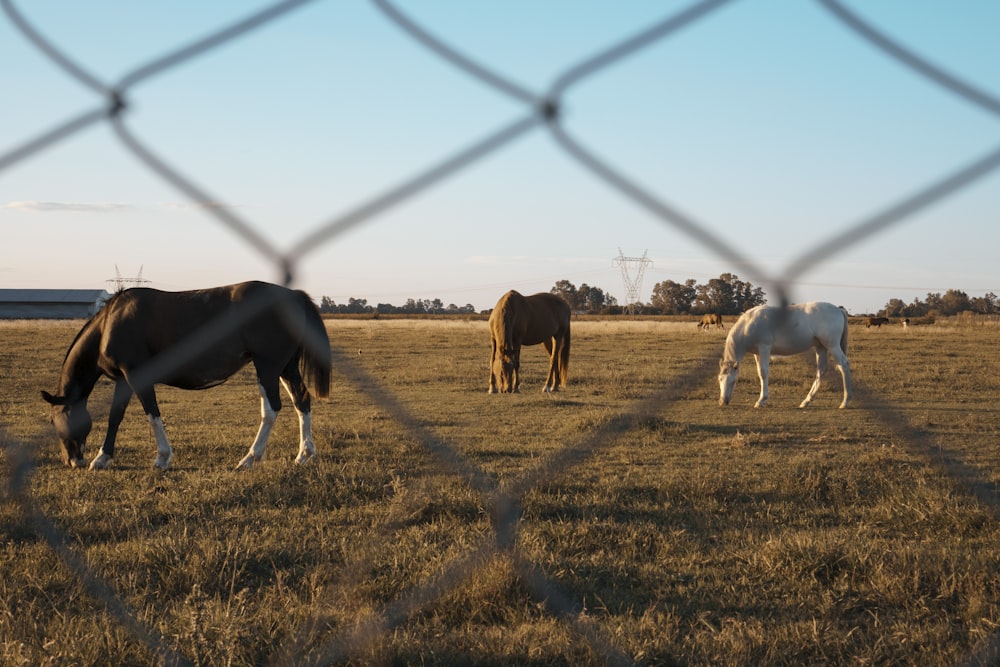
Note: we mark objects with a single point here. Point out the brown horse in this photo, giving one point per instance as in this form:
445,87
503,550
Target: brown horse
193,340
528,320
710,320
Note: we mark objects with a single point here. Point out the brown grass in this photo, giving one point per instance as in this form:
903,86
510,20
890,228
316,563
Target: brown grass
652,526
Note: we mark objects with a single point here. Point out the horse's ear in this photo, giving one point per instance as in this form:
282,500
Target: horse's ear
53,400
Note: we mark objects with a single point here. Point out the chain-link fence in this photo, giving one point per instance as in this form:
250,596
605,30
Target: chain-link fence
541,112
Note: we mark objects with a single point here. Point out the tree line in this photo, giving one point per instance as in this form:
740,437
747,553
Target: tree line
725,295
952,302
411,307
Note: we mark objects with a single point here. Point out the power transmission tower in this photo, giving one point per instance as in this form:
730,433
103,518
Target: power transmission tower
119,283
632,270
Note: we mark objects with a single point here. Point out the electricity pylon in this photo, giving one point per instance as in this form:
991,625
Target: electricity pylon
632,270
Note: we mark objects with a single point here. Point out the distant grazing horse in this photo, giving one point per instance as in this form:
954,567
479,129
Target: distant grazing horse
710,320
193,340
519,320
765,330
876,322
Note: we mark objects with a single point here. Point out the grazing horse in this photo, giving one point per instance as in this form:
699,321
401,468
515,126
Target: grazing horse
193,340
519,320
709,320
765,330
876,322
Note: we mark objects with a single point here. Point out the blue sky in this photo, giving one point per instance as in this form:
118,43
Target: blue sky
766,122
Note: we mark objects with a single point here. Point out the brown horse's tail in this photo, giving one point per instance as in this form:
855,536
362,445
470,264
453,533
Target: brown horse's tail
509,326
564,359
316,359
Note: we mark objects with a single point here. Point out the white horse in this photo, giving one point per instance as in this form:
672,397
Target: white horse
767,330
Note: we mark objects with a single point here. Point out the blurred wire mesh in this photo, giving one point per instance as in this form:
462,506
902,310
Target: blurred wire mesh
541,112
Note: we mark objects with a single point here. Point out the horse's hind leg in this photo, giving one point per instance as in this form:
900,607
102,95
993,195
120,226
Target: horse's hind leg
844,366
551,382
164,452
820,370
564,360
291,380
763,358
270,404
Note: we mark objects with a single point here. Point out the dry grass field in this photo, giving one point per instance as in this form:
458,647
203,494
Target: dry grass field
627,520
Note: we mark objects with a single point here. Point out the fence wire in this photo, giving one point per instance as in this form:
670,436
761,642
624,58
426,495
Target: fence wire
541,112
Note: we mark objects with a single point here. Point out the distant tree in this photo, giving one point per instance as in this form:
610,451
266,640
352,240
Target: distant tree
894,308
569,293
933,304
327,305
716,296
727,295
985,305
356,306
672,298
916,309
954,302
593,300
746,296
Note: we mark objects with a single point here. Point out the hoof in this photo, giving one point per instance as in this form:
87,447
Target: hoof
76,463
304,457
162,462
100,462
246,463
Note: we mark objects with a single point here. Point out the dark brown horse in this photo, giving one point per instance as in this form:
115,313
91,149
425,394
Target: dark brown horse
193,340
518,320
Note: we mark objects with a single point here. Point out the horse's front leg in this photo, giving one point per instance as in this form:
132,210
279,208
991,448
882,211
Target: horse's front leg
516,371
268,415
763,358
122,395
820,370
493,367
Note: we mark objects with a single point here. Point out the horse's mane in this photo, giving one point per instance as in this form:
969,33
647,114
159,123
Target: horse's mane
91,323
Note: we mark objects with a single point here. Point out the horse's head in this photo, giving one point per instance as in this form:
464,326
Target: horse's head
728,372
72,423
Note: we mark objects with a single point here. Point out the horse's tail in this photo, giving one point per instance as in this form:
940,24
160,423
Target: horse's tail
564,359
509,325
316,358
843,336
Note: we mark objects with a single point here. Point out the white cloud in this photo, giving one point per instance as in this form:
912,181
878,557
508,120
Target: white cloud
32,206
